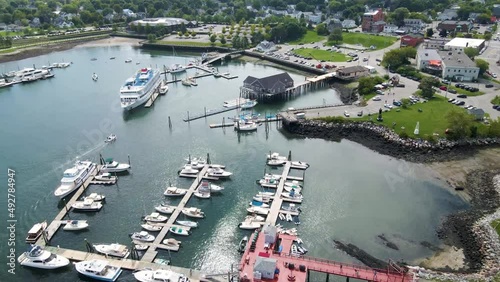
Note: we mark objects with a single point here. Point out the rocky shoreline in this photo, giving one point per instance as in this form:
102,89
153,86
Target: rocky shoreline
469,230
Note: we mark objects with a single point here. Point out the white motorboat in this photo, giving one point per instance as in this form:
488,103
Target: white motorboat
140,247
218,172
290,188
249,225
174,192
75,225
248,104
163,88
142,236
149,275
171,242
273,162
276,156
151,227
188,169
293,184
187,223
186,82
177,68
209,187
95,77
192,80
155,217
37,257
87,205
292,196
193,212
35,232
202,195
258,204
128,60
5,83
95,197
98,269
291,207
113,166
139,88
111,138
299,165
269,181
179,231
114,250
243,125
74,177
266,194
105,178
263,199
258,210
255,217
165,209
243,244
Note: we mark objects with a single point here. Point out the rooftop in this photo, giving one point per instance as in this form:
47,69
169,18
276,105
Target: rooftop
429,55
456,59
465,42
161,21
352,69
371,13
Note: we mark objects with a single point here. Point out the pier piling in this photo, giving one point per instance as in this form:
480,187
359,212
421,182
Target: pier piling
169,122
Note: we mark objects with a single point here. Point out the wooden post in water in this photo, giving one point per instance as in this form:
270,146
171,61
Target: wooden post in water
169,122
223,122
205,109
129,160
188,116
327,277
290,155
208,158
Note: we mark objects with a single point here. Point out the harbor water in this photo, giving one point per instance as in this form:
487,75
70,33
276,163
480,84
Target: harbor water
351,194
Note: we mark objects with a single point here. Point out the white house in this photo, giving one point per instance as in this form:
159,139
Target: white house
458,66
349,24
128,13
390,28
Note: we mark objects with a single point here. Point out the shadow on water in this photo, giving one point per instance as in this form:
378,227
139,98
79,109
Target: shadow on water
135,114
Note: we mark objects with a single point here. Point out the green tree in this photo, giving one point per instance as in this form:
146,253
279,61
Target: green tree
482,65
487,36
151,38
443,33
321,29
223,40
213,38
429,32
471,52
336,35
459,124
366,85
179,34
399,15
426,85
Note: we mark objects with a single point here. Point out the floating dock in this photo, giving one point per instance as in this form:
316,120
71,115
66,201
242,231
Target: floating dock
229,124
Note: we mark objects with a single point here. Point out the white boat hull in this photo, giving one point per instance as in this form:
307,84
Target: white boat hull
148,275
54,263
187,223
251,225
79,225
112,250
111,274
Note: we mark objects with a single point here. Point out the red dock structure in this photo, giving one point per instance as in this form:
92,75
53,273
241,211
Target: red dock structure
271,259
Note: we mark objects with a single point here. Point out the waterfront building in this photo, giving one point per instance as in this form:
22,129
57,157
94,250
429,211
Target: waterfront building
266,87
456,66
352,72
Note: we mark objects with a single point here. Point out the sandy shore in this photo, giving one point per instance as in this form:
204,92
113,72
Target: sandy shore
56,47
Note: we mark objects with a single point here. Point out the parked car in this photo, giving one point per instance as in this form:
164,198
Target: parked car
489,85
461,103
397,103
453,91
360,113
346,114
451,100
389,106
442,87
462,96
376,98
379,92
400,85
444,81
378,60
365,59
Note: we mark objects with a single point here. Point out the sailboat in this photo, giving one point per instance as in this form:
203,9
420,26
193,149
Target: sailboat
417,129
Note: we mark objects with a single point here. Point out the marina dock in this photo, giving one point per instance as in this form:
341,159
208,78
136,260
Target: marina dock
275,207
229,124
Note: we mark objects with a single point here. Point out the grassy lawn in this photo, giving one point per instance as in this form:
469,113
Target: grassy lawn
431,119
496,224
310,36
496,100
368,97
10,33
367,40
322,55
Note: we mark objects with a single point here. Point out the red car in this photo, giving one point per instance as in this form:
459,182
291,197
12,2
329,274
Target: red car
443,88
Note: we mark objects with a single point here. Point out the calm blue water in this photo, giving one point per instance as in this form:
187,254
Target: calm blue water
351,193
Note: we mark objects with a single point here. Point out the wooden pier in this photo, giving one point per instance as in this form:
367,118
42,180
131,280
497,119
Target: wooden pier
151,253
275,207
155,95
210,113
54,225
229,124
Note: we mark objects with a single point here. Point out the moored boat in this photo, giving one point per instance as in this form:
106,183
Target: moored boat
75,225
174,192
151,227
98,269
179,231
193,212
202,195
155,217
95,197
149,275
74,177
165,209
35,232
139,88
187,223
114,250
113,166
37,257
218,172
243,244
163,88
171,242
87,205
249,225
258,210
142,236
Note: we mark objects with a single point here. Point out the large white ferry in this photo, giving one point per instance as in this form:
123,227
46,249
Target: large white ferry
74,177
139,88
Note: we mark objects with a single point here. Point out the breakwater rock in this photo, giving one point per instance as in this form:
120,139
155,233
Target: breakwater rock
361,255
385,141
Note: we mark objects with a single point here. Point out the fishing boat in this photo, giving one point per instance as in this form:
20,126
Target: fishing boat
188,169
151,227
193,212
299,165
202,195
174,192
177,68
258,210
95,77
114,250
139,88
142,236
243,244
74,177
218,172
95,197
149,275
111,138
155,217
74,225
113,166
98,269
187,223
87,205
37,257
165,209
171,242
105,178
35,232
245,125
178,231
249,225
